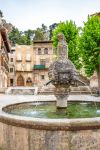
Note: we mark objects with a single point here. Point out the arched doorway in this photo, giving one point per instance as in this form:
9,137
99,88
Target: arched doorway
28,82
20,81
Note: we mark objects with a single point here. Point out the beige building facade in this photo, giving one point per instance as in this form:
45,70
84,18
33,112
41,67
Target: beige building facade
24,65
32,63
43,57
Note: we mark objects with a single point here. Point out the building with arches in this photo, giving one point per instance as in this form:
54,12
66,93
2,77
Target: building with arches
32,63
24,60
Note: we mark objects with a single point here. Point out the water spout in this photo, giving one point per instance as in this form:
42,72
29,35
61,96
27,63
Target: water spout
48,82
81,82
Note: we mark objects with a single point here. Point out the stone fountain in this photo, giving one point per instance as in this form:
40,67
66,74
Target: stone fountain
62,74
22,132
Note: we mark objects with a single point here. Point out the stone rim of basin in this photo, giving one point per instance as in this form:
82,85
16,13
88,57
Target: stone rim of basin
49,124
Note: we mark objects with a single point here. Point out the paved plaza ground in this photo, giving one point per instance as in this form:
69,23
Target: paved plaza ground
10,99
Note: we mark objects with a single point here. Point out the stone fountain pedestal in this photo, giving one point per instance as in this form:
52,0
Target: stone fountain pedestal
62,74
61,94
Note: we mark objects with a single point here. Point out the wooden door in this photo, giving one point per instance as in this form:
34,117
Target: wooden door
20,81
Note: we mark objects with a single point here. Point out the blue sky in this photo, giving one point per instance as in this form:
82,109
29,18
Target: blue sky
30,14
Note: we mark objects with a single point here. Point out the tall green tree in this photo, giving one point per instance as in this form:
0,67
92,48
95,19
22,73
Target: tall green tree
90,46
15,35
29,35
22,38
39,33
51,28
44,28
71,33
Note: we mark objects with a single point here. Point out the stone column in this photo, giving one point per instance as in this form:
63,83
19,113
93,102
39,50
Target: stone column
61,94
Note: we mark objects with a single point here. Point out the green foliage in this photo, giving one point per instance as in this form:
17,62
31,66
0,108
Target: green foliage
90,45
26,37
19,37
29,36
51,28
14,35
71,33
39,33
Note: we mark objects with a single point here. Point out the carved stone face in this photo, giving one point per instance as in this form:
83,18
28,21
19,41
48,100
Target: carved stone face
62,72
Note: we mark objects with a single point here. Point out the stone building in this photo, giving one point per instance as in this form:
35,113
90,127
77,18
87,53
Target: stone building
24,65
11,76
4,59
43,57
31,63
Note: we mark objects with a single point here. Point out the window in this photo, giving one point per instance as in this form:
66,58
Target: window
19,67
42,77
11,69
39,51
11,82
11,59
19,57
28,79
42,61
45,51
12,51
28,57
28,67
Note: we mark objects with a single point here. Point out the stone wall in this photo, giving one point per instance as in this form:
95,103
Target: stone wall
22,90
20,138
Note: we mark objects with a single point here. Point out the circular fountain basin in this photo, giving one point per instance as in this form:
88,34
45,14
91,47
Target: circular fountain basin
48,110
47,133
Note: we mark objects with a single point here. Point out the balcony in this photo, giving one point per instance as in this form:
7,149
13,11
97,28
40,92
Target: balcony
39,67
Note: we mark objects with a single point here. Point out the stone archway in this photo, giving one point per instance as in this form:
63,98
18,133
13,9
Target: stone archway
28,82
20,81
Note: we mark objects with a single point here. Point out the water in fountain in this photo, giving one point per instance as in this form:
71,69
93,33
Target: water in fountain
90,91
76,109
